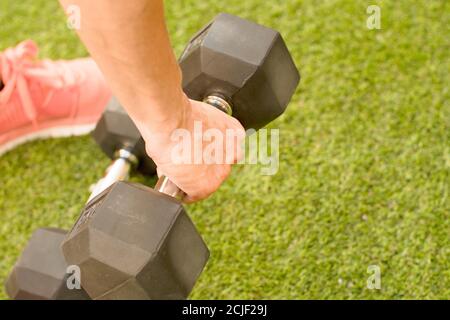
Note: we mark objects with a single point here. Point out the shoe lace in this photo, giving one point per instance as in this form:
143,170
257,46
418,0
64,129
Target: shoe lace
19,67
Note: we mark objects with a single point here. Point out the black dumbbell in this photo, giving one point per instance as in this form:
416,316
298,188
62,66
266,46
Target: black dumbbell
40,271
133,242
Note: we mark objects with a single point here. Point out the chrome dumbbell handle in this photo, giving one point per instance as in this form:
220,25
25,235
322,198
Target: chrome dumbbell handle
118,170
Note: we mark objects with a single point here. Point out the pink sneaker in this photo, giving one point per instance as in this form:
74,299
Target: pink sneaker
42,99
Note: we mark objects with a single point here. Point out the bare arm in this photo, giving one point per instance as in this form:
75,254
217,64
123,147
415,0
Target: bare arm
129,41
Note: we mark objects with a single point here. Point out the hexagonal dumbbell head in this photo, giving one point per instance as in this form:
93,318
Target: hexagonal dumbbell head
115,130
41,271
132,242
247,64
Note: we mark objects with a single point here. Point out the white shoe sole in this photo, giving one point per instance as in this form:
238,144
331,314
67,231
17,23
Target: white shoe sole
56,132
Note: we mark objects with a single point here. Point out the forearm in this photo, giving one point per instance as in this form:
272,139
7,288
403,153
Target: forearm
130,43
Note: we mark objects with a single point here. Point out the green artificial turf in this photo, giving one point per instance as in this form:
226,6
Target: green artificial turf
364,156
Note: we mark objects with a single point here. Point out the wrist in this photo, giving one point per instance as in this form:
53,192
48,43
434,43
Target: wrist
156,124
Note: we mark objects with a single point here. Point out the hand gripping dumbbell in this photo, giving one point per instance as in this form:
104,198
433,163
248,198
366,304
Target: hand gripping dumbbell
134,242
40,272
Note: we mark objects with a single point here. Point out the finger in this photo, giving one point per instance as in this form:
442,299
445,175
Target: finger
191,198
159,172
